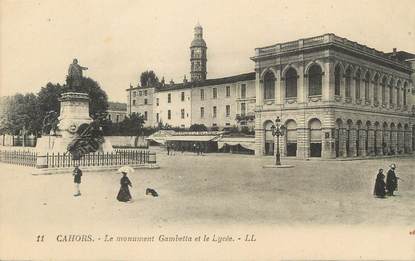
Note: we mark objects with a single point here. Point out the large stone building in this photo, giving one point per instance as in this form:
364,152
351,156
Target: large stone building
337,98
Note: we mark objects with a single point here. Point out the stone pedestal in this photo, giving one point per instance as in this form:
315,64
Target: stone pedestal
74,112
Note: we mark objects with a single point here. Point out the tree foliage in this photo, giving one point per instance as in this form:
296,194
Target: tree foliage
130,126
198,127
28,111
149,78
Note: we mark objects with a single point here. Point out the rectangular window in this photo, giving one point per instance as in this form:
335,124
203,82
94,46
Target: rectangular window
157,101
202,112
182,113
145,101
133,102
182,96
109,117
134,93
169,114
214,111
228,91
145,93
227,124
215,93
145,115
243,108
157,117
243,91
169,98
202,94
228,110
139,93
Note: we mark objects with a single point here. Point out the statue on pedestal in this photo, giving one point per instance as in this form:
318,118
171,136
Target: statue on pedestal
74,78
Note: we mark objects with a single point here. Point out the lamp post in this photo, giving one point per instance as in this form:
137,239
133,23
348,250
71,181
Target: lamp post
278,130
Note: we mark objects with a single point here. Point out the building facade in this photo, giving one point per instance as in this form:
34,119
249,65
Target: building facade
116,111
335,97
141,100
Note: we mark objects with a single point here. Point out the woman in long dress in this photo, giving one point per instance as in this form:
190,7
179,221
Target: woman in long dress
124,193
380,185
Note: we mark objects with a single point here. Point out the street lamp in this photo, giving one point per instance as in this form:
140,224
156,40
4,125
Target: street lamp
278,130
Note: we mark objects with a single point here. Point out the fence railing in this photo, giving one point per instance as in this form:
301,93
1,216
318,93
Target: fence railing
60,160
24,158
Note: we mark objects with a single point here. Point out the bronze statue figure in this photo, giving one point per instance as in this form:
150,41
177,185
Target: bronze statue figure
74,78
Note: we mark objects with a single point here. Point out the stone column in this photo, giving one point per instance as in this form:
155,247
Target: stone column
259,135
353,89
352,142
301,85
328,82
362,142
371,141
303,138
408,141
342,142
258,90
394,140
386,140
278,90
379,139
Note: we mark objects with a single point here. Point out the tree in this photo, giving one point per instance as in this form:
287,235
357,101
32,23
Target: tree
21,113
198,127
149,78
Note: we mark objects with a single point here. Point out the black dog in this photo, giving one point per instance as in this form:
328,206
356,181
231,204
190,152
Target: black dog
152,192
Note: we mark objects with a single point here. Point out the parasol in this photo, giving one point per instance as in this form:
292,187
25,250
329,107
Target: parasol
126,169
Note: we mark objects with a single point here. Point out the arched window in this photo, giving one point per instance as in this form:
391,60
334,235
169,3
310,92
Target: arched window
314,80
357,85
383,86
375,87
367,81
337,80
269,86
398,93
391,92
291,83
404,93
348,82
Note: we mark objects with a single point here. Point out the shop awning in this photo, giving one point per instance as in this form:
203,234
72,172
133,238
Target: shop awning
247,143
192,138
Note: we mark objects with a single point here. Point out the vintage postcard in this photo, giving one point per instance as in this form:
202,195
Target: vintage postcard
207,130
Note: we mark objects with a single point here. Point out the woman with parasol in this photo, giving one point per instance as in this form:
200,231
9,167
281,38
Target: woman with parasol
124,193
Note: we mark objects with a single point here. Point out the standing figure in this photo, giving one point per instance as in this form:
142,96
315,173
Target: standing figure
124,193
380,186
77,174
168,149
391,180
74,79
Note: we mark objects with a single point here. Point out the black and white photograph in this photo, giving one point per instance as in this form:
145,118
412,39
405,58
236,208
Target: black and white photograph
207,130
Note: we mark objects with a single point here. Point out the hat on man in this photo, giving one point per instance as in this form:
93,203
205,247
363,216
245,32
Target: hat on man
392,166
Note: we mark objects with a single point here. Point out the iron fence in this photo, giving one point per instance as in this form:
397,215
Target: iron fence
24,158
64,160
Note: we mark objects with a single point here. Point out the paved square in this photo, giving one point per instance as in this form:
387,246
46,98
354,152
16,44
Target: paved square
217,189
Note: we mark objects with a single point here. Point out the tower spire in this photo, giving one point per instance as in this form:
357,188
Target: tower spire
198,55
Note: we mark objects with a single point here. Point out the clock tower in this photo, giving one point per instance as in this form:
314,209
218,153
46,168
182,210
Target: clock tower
198,55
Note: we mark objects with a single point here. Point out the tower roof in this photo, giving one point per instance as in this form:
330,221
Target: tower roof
198,37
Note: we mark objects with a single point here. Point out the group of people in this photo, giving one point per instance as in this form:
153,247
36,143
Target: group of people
387,188
124,194
173,148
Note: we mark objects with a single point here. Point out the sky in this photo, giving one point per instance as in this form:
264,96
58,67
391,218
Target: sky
118,40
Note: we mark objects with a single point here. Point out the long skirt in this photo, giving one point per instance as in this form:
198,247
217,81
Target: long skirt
124,194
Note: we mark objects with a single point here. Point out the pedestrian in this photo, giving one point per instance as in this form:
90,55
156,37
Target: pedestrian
194,148
380,186
77,174
168,149
124,193
391,180
182,149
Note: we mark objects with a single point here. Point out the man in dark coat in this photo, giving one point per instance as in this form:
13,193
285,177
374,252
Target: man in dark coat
379,190
391,180
77,174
